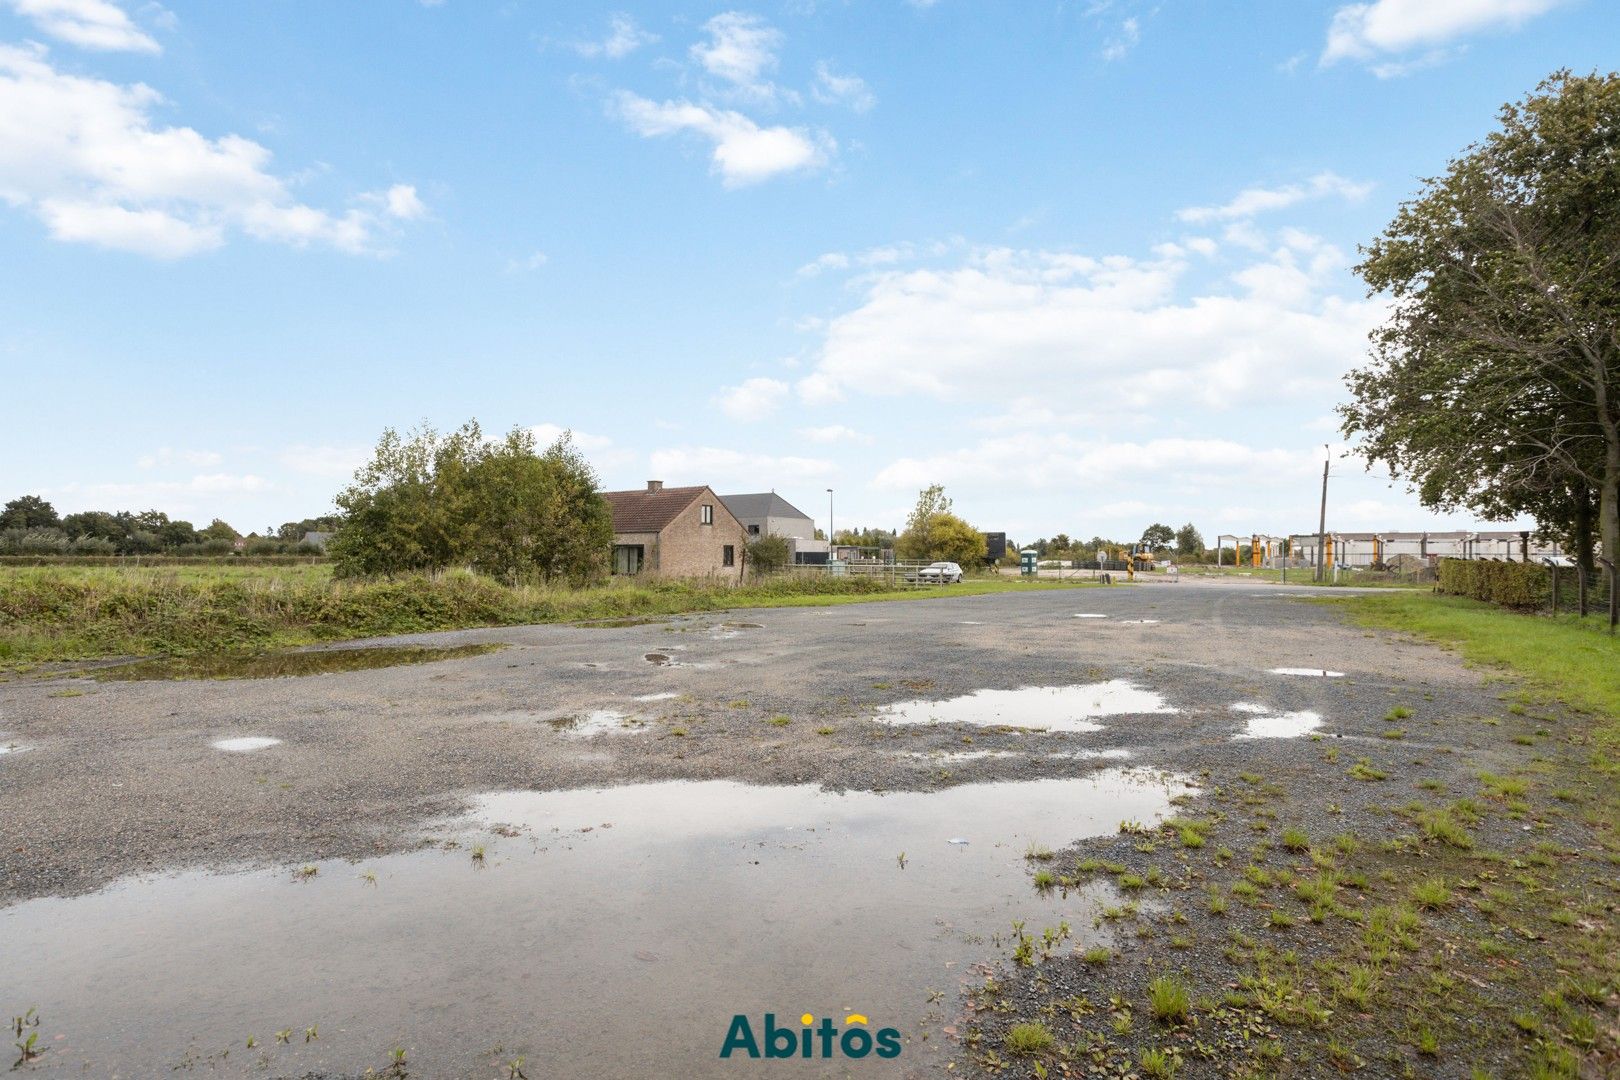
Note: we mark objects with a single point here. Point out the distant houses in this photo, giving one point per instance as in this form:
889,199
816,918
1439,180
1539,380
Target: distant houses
768,514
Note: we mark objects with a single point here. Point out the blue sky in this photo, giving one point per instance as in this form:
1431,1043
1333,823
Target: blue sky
1084,263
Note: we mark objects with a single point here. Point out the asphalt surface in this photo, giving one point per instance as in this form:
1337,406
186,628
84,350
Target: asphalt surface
112,778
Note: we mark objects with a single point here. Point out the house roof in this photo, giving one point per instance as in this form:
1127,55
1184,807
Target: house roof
765,504
644,511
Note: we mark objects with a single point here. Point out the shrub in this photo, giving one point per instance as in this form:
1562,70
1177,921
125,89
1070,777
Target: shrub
1515,585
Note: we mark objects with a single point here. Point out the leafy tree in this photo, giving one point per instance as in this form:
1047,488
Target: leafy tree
934,534
1189,542
28,512
771,552
1495,382
219,530
1061,543
432,501
1158,536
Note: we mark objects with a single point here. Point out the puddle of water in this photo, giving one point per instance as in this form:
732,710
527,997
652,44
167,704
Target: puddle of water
1055,708
1264,723
1140,622
969,622
1319,672
245,744
621,951
596,722
12,748
1091,615
280,665
743,625
669,696
978,755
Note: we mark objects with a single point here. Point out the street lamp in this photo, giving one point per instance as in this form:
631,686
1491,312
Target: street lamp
829,523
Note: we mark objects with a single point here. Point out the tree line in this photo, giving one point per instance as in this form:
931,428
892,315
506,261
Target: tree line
30,525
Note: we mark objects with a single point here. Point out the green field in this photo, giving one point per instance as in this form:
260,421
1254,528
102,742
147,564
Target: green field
85,613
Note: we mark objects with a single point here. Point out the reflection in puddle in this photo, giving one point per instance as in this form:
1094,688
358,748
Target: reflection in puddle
1264,723
12,748
1055,708
245,744
1319,672
1139,622
948,756
589,951
669,696
596,722
1090,615
286,664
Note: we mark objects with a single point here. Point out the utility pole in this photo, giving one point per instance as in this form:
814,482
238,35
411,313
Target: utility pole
1321,521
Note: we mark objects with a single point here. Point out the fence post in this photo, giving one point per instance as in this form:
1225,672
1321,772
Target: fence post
1555,591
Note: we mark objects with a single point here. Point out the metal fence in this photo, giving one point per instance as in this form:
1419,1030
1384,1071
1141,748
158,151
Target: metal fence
898,575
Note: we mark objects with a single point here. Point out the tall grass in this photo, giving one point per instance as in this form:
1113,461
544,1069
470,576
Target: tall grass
83,613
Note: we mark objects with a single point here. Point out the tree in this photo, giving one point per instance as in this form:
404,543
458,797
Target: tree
432,501
934,534
219,530
769,552
1495,381
28,512
1157,536
1189,542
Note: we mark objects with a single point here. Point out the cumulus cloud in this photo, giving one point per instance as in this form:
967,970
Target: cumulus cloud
833,88
546,434
1258,200
85,156
167,456
1115,328
835,433
753,399
723,468
624,37
333,461
1130,32
88,24
744,152
1367,31
740,50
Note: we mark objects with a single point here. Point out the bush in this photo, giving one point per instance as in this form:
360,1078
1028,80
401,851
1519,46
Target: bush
1514,585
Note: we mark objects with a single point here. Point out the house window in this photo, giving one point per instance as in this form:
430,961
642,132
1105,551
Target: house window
753,530
728,556
627,558
706,514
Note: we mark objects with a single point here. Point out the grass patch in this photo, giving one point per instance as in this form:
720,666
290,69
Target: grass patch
1169,1001
81,613
1029,1039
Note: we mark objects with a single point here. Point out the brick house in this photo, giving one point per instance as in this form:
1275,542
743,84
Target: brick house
675,532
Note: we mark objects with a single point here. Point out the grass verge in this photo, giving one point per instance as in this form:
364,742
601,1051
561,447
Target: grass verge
82,614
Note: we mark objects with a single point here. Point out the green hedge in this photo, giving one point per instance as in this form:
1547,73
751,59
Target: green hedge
1509,584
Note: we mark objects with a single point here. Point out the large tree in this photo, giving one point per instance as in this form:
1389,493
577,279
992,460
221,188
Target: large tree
934,534
28,512
1494,383
431,501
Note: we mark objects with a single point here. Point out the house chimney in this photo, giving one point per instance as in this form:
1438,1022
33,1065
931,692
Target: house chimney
655,485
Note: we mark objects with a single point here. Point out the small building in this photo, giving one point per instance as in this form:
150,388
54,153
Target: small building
768,514
675,532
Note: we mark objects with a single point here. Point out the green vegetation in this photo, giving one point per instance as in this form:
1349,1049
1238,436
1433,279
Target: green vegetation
1031,1038
934,534
1169,1000
62,613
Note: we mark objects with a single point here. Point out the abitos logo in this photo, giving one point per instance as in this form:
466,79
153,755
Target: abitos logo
810,1039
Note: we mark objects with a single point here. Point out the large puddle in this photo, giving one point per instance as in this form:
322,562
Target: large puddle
1052,708
280,665
595,933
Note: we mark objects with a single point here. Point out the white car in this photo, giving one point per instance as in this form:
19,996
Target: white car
940,572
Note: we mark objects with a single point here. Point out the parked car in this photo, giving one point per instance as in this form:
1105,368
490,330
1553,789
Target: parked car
940,573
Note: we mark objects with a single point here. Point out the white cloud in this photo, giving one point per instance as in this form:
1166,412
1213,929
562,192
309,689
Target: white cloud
624,37
89,24
546,434
1130,32
1258,200
334,461
753,399
84,156
1368,30
835,433
882,255
532,261
744,152
741,48
724,468
833,88
1114,329
167,456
